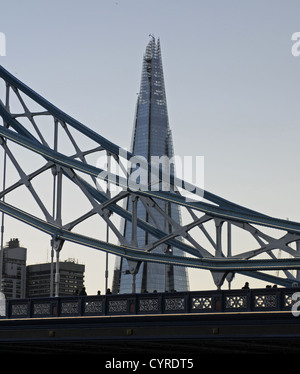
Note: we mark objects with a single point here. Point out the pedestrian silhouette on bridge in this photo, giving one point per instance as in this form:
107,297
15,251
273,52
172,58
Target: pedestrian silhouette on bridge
82,292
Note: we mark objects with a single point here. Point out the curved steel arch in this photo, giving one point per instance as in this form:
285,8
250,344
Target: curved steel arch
75,168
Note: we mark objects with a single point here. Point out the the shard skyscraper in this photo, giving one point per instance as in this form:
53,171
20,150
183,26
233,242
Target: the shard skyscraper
151,137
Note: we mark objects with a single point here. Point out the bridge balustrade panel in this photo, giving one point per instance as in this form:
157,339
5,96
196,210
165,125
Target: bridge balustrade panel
205,302
149,303
94,306
19,309
237,301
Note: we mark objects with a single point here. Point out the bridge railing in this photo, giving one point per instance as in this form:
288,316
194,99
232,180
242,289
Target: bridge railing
268,299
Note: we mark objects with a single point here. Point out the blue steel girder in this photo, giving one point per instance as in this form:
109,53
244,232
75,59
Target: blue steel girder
136,254
234,214
215,209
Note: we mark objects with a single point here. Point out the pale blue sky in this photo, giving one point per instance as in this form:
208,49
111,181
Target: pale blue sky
232,84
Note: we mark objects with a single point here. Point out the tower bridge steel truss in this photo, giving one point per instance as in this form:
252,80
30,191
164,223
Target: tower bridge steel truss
33,125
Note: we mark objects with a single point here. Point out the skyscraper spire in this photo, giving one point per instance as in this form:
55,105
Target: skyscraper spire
151,137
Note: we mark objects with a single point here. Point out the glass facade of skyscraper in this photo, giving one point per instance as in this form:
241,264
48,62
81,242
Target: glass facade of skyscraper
152,137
